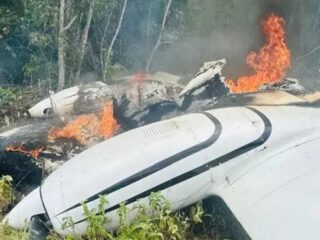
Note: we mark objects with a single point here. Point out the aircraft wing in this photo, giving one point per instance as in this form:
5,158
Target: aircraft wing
277,194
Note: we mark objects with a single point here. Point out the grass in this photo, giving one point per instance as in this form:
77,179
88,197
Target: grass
7,233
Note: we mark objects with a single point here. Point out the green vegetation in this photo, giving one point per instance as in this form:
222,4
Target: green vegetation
6,193
6,199
18,97
45,41
7,96
154,221
14,103
7,233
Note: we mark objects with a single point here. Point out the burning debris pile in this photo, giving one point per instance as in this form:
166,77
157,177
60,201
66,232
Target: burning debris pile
78,117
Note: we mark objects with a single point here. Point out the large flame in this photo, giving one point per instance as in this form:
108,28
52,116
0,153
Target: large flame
33,153
85,127
272,61
77,129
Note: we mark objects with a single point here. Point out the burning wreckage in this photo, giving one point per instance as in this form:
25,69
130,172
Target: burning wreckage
252,142
76,118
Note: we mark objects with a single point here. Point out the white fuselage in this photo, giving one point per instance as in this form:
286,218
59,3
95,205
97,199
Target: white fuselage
262,161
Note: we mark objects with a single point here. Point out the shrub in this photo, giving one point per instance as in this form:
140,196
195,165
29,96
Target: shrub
6,198
6,193
7,96
152,222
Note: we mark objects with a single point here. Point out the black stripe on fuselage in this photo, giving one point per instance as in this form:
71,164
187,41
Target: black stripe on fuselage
46,215
205,167
160,165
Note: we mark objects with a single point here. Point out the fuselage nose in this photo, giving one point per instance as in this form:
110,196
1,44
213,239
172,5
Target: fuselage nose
21,214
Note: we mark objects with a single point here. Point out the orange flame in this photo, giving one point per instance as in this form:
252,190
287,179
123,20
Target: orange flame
272,61
76,129
108,124
33,153
85,127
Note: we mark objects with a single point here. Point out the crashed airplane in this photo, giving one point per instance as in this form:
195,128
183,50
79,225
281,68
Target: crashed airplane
257,151
261,160
234,149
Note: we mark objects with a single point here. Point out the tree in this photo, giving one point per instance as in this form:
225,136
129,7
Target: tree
85,38
103,40
115,36
61,80
154,50
10,11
